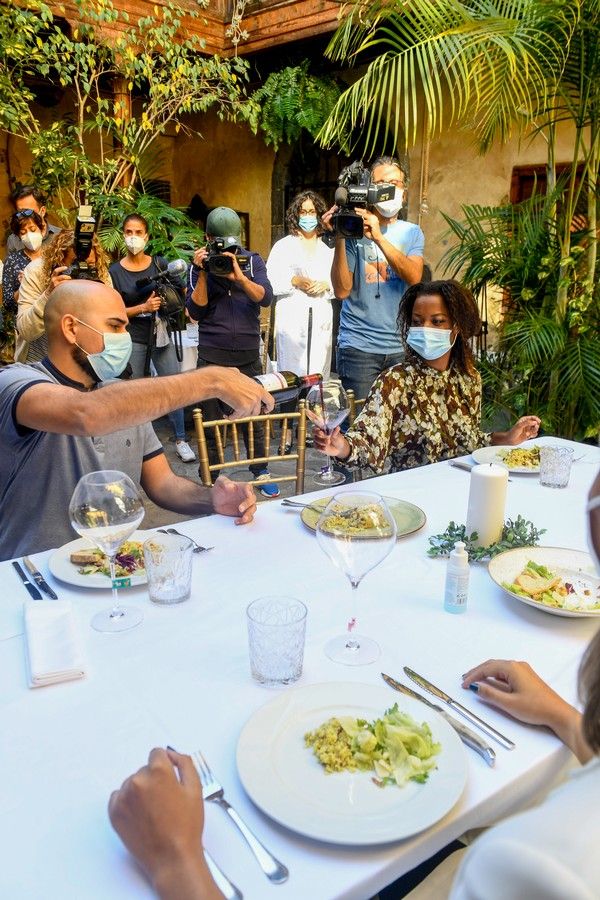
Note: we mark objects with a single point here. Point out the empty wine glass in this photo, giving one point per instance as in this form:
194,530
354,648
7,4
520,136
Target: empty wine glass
106,508
356,531
327,407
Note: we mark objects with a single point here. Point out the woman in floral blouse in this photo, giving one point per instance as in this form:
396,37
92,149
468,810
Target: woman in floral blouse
427,408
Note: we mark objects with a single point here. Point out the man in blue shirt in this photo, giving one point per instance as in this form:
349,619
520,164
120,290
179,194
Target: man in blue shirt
370,275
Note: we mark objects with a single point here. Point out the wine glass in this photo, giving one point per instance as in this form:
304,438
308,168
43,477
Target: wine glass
327,407
106,508
356,531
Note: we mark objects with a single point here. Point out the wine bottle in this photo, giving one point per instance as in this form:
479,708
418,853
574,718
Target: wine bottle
286,386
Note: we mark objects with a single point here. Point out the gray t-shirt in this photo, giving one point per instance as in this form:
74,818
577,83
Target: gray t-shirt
39,470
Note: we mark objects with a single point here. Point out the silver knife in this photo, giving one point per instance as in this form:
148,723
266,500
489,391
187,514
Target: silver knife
466,713
467,736
35,594
39,578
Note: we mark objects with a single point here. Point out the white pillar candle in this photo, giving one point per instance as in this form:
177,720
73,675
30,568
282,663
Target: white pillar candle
487,501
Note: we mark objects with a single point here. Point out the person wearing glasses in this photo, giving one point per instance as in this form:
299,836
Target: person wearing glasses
370,275
27,225
29,197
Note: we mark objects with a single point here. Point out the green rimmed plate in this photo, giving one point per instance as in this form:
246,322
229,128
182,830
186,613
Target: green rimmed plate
408,517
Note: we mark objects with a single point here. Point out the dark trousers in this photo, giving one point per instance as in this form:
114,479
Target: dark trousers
211,409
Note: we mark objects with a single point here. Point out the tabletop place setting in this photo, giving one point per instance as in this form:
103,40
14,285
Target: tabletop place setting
310,663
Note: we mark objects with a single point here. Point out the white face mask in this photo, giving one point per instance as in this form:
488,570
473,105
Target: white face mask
135,243
32,240
390,208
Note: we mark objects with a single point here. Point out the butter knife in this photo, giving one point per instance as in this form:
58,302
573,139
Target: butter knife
35,594
467,736
39,578
454,704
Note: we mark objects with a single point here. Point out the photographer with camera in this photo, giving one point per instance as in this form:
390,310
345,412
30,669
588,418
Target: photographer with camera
227,287
71,254
377,256
138,277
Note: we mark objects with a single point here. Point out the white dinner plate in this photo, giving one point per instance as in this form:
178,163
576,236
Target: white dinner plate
573,566
62,568
284,778
495,455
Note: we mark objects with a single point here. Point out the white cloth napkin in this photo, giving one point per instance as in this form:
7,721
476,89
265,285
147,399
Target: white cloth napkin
52,642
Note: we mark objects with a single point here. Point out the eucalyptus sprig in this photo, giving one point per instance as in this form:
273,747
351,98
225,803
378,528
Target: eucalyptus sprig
517,533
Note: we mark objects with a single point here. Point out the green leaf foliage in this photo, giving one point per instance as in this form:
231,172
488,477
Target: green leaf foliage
292,100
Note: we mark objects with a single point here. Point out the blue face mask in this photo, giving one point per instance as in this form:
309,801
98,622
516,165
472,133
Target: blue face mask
430,343
111,361
308,223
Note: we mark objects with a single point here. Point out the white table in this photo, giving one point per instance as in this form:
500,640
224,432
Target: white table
182,678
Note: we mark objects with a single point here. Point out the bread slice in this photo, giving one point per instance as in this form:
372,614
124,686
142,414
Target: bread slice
535,584
85,558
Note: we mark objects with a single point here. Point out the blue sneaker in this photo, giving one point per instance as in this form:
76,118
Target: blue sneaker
269,489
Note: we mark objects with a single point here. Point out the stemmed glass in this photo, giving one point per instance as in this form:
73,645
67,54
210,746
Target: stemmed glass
356,531
327,407
106,508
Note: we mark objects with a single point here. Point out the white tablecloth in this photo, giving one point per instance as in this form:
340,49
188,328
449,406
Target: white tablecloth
182,678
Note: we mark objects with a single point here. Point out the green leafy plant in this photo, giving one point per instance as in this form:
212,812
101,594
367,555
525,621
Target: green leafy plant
129,82
292,100
517,533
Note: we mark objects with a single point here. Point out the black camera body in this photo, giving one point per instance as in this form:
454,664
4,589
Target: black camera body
85,228
217,263
356,189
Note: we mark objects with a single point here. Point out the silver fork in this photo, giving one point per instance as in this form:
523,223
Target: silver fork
213,790
198,548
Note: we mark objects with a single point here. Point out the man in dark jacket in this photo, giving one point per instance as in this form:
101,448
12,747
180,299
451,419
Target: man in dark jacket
226,306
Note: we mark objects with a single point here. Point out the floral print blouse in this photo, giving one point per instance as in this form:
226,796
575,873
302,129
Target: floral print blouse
415,415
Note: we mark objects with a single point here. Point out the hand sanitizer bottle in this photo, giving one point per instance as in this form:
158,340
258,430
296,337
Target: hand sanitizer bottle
457,580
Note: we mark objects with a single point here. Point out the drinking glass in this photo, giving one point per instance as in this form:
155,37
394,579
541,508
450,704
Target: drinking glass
327,407
276,633
168,559
357,532
106,508
555,466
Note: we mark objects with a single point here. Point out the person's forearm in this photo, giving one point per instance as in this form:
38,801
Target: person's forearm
199,296
341,276
252,290
180,495
117,406
188,879
133,311
410,269
566,724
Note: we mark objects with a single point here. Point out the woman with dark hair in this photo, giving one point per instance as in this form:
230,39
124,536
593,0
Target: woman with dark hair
39,279
28,226
427,408
151,339
299,267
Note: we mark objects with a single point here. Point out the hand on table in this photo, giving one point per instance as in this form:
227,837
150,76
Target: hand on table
516,689
234,498
159,817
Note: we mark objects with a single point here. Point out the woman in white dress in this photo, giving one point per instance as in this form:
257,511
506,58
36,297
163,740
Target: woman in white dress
299,269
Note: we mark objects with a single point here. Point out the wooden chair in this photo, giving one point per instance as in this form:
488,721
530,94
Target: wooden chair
354,405
238,450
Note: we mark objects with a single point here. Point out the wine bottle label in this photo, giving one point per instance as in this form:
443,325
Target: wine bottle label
308,380
272,381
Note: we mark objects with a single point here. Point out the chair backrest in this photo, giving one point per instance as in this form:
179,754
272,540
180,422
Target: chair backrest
354,405
237,453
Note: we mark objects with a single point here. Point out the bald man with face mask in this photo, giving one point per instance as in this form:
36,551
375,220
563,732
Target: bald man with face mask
68,415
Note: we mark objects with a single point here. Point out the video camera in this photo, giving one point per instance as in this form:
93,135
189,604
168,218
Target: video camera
217,263
85,228
356,189
161,284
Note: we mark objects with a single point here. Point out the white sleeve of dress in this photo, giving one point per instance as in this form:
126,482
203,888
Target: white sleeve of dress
280,268
497,868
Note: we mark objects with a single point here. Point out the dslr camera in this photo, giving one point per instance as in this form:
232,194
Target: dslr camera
356,189
163,285
85,228
217,263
